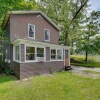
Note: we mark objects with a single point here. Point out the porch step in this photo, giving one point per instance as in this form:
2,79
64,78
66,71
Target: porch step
68,68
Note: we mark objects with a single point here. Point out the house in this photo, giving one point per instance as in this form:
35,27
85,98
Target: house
32,44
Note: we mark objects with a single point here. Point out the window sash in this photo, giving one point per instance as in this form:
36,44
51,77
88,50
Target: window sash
47,35
30,53
56,54
40,52
31,31
59,54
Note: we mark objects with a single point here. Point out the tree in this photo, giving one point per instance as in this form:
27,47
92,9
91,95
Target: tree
67,14
89,32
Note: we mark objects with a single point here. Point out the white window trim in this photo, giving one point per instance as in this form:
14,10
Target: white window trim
49,35
35,53
14,59
34,31
56,55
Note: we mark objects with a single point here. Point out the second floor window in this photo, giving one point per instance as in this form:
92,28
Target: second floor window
31,31
47,35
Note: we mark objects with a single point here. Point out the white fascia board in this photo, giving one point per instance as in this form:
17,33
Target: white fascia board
28,42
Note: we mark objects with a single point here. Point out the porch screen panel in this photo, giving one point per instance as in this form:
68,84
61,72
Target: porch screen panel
40,52
30,53
59,54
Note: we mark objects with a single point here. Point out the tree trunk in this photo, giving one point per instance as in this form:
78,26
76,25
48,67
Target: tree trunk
66,42
86,56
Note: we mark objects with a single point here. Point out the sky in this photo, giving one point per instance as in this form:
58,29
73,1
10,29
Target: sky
95,5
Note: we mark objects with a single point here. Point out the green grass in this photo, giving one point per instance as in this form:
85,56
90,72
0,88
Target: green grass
81,62
59,86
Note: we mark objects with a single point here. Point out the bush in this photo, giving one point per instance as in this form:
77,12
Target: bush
9,72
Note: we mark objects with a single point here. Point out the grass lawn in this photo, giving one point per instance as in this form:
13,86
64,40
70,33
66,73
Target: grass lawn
81,62
58,86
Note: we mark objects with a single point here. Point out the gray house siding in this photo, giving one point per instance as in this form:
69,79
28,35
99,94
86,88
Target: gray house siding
19,28
25,70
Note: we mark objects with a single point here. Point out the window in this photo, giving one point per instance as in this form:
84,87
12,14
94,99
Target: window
56,54
53,54
40,52
31,31
47,35
17,53
30,53
59,54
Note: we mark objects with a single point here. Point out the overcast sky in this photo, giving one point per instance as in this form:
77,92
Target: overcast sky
95,5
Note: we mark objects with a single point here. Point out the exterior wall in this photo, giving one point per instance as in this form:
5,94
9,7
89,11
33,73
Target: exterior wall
19,28
26,70
17,69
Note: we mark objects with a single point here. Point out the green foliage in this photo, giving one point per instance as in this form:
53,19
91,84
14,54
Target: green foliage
9,71
63,12
89,41
10,5
79,61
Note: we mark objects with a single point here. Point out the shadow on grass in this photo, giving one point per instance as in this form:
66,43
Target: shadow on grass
4,78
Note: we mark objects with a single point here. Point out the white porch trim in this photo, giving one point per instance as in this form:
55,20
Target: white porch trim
31,42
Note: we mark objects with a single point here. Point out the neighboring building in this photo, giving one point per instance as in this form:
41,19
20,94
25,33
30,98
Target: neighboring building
32,47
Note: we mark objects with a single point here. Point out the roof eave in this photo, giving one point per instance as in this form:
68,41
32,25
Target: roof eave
7,16
20,41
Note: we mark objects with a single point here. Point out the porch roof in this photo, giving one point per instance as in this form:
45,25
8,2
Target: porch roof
30,42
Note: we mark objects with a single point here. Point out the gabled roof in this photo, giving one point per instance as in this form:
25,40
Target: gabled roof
7,16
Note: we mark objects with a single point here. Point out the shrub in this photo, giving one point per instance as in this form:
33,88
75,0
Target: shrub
9,71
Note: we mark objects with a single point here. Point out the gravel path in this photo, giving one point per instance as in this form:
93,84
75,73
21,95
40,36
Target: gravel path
80,69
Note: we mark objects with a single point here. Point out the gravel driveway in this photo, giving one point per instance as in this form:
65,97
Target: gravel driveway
82,71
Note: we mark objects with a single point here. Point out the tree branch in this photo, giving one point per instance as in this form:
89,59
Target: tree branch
78,11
